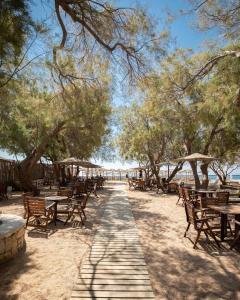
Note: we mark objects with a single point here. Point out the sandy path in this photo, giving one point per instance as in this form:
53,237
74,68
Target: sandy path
49,266
177,271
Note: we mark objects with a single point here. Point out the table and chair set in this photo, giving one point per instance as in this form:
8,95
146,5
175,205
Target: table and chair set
211,211
40,211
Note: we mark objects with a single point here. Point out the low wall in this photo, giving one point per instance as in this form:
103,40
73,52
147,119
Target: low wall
12,236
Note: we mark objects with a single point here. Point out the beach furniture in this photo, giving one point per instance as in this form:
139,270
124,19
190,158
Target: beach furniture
199,224
40,213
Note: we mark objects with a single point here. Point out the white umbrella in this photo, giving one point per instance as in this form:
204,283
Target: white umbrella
196,157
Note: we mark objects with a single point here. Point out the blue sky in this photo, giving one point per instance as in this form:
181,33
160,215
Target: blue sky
182,31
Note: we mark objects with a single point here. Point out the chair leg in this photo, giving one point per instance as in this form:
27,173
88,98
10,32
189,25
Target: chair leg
229,226
212,234
187,229
178,200
198,235
79,211
235,240
82,209
27,221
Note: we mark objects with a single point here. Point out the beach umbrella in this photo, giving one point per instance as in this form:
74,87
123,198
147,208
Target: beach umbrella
168,164
196,157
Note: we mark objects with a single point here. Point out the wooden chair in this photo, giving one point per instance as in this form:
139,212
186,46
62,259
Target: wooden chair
65,207
3,191
180,195
39,214
199,224
190,196
172,187
221,199
237,235
25,205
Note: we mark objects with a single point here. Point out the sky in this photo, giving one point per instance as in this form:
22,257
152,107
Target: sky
183,32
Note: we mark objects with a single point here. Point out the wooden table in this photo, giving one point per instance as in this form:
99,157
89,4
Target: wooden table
224,210
234,200
204,193
56,200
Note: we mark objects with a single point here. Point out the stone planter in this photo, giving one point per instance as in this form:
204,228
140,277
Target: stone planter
12,236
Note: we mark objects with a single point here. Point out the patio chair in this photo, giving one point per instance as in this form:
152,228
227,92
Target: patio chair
199,224
3,191
65,207
190,197
237,235
130,184
221,199
180,195
39,214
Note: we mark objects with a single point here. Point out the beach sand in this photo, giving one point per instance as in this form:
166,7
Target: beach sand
48,268
177,271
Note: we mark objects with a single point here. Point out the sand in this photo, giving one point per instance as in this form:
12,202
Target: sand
177,271
48,268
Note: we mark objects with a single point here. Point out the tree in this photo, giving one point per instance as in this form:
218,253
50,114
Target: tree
146,137
197,116
35,121
224,15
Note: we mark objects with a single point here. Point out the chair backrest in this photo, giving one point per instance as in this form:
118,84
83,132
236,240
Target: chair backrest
223,197
3,188
36,206
180,191
65,192
190,213
24,196
205,201
81,188
186,194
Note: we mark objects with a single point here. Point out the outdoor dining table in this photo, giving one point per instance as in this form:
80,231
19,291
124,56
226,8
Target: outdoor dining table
224,210
234,200
56,200
204,193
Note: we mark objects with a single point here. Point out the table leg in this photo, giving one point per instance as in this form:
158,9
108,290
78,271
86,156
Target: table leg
55,212
223,226
237,227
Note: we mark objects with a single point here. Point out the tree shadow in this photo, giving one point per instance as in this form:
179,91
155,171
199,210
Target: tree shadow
177,271
11,270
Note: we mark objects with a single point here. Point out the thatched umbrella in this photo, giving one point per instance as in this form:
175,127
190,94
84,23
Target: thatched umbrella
168,164
196,157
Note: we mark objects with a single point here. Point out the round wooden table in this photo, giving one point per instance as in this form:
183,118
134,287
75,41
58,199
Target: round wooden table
56,200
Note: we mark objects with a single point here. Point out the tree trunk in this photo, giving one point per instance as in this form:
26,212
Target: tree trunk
158,179
25,167
195,174
174,172
205,181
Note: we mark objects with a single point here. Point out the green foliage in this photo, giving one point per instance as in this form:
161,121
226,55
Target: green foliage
221,14
173,120
15,25
30,114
